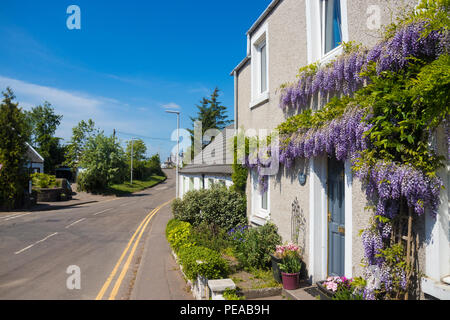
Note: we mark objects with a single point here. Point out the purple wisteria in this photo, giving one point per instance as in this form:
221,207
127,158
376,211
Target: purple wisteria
372,243
343,75
388,182
341,137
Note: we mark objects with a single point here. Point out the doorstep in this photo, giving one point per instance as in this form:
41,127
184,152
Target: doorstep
305,292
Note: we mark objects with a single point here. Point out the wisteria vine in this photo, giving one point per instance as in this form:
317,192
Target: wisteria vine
387,183
344,74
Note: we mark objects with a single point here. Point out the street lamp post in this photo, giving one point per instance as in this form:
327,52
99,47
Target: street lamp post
178,147
131,171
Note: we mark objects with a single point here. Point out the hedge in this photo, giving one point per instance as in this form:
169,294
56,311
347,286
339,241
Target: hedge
220,206
201,261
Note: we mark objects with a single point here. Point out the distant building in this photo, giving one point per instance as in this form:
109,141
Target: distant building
213,165
35,162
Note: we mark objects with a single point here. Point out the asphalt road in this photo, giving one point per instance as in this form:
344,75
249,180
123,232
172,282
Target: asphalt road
98,246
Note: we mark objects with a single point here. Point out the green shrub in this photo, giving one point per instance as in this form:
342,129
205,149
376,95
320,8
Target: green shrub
218,205
178,234
201,261
211,236
42,180
231,294
253,246
105,164
189,209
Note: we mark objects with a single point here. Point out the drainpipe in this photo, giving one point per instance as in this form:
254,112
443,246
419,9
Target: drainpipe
235,101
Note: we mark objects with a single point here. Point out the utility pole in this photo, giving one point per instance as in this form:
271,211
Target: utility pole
131,173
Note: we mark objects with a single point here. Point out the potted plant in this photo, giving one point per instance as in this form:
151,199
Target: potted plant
341,288
290,266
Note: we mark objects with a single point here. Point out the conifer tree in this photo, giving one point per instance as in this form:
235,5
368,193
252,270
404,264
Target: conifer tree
13,148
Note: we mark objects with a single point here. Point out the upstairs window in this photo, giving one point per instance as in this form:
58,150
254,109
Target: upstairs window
331,24
326,25
260,67
263,61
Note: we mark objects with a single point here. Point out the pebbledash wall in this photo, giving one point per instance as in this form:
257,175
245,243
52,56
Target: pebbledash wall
289,29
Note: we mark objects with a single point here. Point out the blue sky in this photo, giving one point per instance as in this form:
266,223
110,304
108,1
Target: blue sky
130,60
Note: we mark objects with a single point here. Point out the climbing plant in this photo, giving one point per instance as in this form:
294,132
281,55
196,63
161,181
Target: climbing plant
387,104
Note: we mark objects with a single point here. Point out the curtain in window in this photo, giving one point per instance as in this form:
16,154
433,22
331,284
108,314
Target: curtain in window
263,52
333,24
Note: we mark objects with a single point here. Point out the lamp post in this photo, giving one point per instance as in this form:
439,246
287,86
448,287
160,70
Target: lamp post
131,171
178,146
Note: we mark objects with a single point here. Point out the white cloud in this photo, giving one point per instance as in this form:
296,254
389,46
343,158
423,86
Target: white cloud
171,105
72,105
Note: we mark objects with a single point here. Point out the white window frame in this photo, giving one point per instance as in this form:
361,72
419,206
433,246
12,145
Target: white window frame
259,215
315,36
256,42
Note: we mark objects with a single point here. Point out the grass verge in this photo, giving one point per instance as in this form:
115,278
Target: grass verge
127,188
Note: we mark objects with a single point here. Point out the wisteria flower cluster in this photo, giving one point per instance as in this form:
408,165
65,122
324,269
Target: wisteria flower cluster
387,182
381,279
344,74
373,244
341,75
341,137
335,283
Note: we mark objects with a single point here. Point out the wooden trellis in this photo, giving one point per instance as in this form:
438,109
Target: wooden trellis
404,234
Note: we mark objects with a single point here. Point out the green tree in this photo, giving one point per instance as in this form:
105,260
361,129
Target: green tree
219,111
212,115
104,162
80,135
13,137
44,122
154,165
139,150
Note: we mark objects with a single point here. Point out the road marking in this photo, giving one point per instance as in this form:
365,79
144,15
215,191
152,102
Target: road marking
116,287
102,211
125,204
17,216
140,229
67,227
32,245
12,215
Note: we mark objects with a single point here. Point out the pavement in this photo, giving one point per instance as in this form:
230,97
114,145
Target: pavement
102,248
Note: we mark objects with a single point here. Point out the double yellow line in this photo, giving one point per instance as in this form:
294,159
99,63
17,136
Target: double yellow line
122,274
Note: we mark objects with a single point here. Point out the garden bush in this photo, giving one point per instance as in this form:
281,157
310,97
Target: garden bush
179,233
42,180
189,208
218,205
253,246
201,261
211,236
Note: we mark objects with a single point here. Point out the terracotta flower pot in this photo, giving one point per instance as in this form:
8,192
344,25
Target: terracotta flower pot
290,280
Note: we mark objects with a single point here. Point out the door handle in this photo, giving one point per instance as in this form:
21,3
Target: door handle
329,216
341,230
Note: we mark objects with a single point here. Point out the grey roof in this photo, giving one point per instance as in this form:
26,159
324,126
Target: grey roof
217,157
208,169
33,155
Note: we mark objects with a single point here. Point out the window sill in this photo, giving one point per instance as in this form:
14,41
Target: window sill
438,290
260,218
261,99
331,55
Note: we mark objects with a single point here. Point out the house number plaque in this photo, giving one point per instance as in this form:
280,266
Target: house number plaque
302,178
